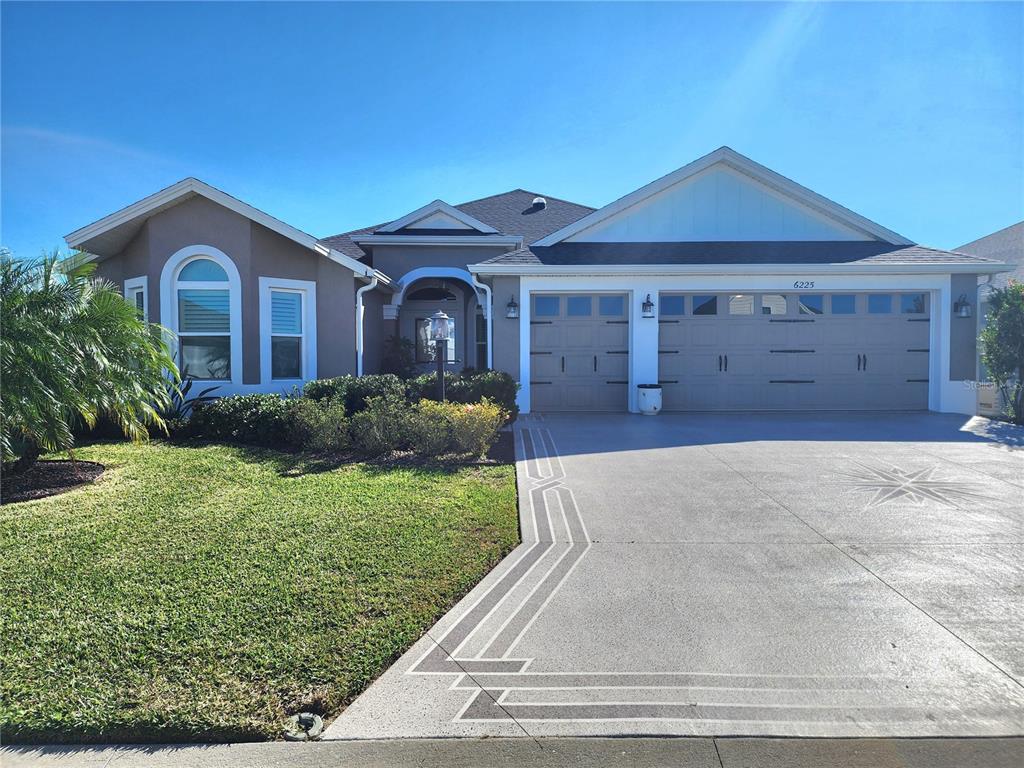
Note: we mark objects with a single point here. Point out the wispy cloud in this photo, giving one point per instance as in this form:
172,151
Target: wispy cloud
73,142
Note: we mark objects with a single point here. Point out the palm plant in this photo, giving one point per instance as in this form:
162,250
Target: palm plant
71,346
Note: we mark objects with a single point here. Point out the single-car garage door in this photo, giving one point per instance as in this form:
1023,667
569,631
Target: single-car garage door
579,352
770,351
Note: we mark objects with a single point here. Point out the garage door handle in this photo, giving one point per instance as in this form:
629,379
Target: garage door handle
865,362
563,363
719,362
726,363
595,363
858,362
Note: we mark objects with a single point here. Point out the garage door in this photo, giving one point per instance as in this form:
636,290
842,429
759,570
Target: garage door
579,352
841,351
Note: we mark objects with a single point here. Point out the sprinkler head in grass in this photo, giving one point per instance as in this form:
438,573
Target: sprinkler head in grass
304,726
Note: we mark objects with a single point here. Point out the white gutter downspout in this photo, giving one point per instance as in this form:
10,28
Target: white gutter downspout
487,316
359,323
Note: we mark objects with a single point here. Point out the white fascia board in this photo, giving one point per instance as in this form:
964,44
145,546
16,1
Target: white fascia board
435,207
743,164
737,269
445,240
195,186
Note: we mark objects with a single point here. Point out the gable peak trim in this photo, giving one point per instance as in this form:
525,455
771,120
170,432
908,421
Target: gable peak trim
437,206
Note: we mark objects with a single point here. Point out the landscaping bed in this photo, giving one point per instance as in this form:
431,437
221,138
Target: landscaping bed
205,592
47,478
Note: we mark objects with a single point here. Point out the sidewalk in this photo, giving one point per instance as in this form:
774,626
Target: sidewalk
541,753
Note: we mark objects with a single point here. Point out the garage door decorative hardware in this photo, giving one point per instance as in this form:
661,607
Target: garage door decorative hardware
916,486
791,381
917,381
921,349
791,320
791,351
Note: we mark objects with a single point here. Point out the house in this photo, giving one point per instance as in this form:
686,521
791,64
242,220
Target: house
733,287
1007,246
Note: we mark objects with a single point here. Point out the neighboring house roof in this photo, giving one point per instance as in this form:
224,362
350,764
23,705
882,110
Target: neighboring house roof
730,158
509,213
679,255
109,235
1007,246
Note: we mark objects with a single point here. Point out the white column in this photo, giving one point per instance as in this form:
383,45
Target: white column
643,353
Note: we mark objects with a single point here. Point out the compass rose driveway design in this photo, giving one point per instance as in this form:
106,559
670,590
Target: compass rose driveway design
773,574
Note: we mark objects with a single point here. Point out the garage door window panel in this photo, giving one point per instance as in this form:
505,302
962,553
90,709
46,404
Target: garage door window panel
547,306
741,304
879,304
578,306
673,306
612,306
843,304
812,304
773,304
913,304
705,305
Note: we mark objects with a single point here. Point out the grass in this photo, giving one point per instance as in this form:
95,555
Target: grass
204,593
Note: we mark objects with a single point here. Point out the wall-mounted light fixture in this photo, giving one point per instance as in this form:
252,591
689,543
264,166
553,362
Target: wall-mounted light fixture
962,306
647,308
512,309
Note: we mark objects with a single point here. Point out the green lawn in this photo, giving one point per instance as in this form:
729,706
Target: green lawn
204,593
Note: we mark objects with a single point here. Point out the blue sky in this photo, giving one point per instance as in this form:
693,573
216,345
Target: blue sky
335,116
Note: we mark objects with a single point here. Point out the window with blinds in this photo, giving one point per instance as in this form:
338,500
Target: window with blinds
204,321
286,335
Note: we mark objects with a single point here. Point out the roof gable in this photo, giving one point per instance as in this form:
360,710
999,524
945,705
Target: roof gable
722,196
437,215
110,234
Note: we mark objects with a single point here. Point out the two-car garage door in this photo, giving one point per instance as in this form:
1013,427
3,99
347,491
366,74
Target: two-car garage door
844,351
722,351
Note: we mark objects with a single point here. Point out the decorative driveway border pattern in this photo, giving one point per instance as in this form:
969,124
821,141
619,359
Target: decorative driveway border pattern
475,682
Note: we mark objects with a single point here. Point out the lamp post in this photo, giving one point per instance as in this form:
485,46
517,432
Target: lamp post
440,332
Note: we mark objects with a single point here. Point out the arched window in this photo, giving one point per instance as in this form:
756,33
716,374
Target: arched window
200,295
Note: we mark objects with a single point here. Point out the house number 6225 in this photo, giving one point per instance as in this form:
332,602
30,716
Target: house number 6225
803,284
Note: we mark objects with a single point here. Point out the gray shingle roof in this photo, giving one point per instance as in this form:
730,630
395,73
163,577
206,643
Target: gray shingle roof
774,252
1006,245
511,213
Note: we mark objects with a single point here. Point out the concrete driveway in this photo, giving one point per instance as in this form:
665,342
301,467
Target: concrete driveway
742,574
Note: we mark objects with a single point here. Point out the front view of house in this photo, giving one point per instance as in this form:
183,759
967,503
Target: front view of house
728,284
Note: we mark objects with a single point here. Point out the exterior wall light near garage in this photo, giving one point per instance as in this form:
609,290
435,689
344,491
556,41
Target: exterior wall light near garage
512,309
962,306
647,307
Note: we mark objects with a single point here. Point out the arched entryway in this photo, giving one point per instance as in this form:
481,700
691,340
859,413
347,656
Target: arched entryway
421,295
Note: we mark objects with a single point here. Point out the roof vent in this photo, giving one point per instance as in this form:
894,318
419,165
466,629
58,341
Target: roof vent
540,202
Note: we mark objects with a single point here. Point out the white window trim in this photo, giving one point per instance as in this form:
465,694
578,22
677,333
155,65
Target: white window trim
134,284
308,290
169,301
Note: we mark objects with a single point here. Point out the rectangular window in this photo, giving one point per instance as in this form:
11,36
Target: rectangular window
741,304
812,304
285,334
135,294
547,306
773,304
481,341
879,303
578,306
426,347
705,305
204,332
611,306
673,305
206,357
912,304
844,304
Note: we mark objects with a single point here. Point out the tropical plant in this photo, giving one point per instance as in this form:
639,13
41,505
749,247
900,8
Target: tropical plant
71,346
1002,346
179,404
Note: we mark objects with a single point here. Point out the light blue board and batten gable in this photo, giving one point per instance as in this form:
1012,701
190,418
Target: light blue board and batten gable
719,204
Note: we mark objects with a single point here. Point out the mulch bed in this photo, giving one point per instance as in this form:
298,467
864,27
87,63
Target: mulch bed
48,478
504,449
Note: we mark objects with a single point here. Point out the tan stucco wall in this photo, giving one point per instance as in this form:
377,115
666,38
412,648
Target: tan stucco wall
257,252
963,332
506,332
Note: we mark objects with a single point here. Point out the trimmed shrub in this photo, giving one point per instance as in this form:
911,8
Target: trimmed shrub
327,389
430,428
354,391
320,427
382,426
257,419
475,426
399,357
469,387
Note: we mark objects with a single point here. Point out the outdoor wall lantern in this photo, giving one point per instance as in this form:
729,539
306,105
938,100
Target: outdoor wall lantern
648,307
962,306
440,332
512,309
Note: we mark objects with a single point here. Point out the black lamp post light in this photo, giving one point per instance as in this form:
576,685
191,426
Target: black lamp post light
440,332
